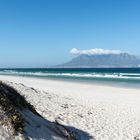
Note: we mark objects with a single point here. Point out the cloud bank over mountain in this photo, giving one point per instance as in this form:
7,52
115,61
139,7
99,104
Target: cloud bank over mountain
96,51
101,58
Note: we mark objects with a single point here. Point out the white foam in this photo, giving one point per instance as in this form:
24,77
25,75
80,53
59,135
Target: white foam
74,75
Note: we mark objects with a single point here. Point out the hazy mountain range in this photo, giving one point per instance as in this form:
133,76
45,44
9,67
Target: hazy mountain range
103,60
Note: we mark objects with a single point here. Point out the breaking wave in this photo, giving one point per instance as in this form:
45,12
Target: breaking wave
90,75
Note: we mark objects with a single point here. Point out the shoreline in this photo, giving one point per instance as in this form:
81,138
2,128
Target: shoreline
79,90
98,82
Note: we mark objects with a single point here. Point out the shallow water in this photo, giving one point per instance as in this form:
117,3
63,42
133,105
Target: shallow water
112,76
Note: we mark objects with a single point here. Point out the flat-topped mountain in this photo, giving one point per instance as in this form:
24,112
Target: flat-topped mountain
103,60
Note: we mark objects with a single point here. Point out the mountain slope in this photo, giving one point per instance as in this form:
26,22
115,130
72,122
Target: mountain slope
105,60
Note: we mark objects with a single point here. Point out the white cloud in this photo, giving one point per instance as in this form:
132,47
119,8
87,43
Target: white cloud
96,51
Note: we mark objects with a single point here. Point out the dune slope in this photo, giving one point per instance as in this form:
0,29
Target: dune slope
20,120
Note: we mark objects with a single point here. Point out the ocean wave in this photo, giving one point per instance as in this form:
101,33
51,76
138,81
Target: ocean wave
74,75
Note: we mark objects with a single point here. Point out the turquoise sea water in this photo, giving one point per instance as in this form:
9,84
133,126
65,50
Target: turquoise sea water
114,76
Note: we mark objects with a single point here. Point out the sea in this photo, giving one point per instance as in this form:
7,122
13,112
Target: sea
129,77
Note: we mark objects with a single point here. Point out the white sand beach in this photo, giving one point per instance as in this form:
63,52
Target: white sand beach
104,112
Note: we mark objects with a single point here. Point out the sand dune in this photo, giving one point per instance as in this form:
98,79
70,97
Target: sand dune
20,121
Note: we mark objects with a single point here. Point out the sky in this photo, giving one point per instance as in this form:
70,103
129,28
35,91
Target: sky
41,33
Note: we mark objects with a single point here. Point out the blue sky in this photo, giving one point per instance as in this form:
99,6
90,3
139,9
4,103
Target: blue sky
40,33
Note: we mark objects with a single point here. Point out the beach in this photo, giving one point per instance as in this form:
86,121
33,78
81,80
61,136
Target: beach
69,70
103,112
